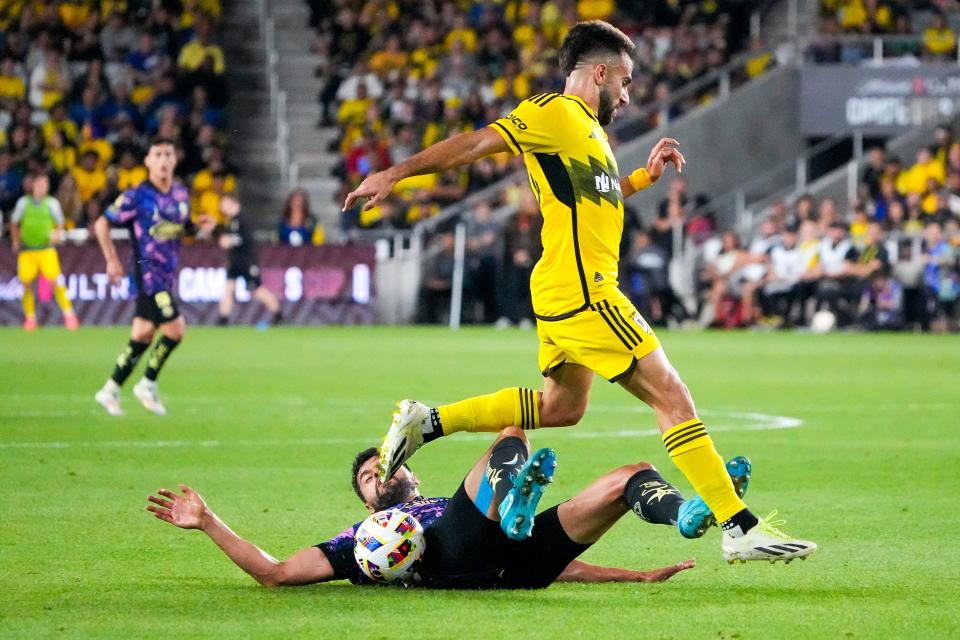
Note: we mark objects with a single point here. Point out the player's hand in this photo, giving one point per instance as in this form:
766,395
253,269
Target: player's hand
663,153
15,246
375,188
659,575
225,242
114,272
56,236
186,511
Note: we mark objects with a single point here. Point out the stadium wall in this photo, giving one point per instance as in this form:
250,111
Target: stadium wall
729,141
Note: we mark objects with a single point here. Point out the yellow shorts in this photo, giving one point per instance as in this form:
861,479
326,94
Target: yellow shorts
30,262
609,338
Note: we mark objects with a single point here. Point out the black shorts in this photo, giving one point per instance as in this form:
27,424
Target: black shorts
466,550
249,272
158,308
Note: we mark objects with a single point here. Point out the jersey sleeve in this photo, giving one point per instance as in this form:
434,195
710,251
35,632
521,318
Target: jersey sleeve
123,209
18,210
56,211
533,126
339,552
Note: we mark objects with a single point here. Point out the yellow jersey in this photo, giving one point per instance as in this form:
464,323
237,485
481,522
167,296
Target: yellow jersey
577,184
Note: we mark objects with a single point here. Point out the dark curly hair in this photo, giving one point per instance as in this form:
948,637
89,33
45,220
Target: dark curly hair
590,38
358,461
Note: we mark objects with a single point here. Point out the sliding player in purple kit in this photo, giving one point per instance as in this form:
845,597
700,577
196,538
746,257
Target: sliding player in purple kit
157,214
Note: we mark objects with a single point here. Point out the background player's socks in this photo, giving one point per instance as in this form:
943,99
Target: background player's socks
63,301
128,360
740,523
278,317
223,321
652,498
692,450
158,356
491,413
29,302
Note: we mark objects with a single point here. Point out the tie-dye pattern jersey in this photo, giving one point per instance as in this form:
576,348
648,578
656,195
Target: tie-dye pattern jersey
157,221
339,549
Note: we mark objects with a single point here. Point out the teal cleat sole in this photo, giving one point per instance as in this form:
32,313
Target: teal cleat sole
695,517
519,506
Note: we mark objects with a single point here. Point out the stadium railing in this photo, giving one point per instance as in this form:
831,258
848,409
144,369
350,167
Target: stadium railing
872,49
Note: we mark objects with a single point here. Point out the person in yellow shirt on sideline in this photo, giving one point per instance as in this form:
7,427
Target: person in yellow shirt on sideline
36,226
194,52
130,173
939,40
12,86
91,179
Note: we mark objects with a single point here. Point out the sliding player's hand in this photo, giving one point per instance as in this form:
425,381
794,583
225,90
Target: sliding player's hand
114,272
186,511
659,575
662,154
375,188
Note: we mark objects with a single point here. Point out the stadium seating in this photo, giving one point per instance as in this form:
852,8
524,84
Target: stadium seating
84,85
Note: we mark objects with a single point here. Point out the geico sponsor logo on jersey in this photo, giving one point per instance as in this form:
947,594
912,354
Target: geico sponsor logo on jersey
604,183
517,122
165,230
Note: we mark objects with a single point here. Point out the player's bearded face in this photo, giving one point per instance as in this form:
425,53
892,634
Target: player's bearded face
400,488
606,107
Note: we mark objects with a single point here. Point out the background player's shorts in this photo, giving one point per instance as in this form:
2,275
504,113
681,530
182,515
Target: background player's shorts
30,262
609,337
158,308
467,550
249,272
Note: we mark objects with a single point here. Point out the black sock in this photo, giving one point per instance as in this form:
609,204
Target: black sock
128,360
741,522
507,458
158,356
278,317
223,321
652,498
436,430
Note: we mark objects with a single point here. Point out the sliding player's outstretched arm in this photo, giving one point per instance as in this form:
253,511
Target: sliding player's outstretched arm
662,154
449,154
189,511
579,571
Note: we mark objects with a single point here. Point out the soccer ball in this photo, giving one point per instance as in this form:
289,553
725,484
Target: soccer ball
823,322
388,544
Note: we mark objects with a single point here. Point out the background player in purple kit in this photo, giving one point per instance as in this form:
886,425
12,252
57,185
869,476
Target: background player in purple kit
157,214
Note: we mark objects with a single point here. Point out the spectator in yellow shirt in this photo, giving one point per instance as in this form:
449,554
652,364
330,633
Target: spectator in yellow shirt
49,81
915,180
193,53
939,40
759,59
12,86
595,9
131,172
461,32
62,156
74,14
59,123
208,204
91,180
390,60
352,110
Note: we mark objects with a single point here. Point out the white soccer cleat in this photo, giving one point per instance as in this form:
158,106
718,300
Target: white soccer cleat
146,392
109,400
404,437
765,542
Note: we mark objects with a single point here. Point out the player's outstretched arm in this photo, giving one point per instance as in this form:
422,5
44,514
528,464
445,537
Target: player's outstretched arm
101,228
579,571
662,154
190,511
449,154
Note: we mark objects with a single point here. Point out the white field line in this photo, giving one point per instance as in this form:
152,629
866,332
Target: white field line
745,421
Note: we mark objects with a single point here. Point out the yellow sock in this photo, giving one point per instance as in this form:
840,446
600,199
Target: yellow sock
60,295
505,408
693,452
29,301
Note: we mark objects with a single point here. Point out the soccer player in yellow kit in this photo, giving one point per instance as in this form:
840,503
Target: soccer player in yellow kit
585,324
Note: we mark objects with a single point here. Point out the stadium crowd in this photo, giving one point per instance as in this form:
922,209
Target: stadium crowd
432,69
919,29
84,84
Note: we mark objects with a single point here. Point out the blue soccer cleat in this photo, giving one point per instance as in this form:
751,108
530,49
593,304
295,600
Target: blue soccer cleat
518,507
695,517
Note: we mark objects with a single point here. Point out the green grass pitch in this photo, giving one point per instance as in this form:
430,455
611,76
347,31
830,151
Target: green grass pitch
265,424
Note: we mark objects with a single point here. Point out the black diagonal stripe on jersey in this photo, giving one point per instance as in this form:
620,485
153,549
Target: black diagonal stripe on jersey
770,551
548,100
694,436
613,328
560,184
629,326
536,97
680,433
509,135
620,322
583,108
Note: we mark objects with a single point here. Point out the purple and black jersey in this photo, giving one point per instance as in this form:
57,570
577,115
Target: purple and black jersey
157,221
339,549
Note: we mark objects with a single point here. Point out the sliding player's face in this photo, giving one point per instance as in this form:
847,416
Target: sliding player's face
377,496
161,160
614,91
